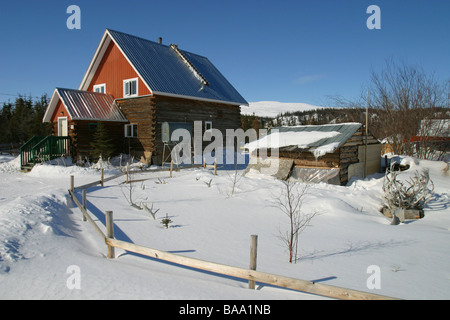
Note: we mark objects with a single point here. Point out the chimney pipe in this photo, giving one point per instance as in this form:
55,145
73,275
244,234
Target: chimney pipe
160,40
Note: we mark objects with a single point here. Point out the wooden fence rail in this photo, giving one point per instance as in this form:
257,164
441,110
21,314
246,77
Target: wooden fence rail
253,275
248,274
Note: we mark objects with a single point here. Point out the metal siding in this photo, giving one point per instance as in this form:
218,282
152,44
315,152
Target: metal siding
112,70
86,105
164,71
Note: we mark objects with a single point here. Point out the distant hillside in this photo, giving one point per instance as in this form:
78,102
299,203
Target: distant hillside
268,114
271,109
273,113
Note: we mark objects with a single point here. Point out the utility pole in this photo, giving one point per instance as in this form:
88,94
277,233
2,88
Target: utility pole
367,133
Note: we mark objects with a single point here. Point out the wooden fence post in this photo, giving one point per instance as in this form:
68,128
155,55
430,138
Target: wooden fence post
171,168
253,254
102,177
215,166
110,232
72,184
84,204
128,172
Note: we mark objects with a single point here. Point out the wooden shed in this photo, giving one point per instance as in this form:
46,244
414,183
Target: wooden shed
331,153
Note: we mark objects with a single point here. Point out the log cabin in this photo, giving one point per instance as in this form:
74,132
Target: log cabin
331,153
134,86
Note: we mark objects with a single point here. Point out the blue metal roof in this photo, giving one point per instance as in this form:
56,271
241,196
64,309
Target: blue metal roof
166,72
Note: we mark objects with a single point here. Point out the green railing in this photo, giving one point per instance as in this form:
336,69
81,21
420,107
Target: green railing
26,151
51,147
40,149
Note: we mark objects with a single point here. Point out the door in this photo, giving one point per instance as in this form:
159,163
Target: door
63,127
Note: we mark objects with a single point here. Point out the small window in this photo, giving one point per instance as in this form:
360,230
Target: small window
130,87
93,126
101,88
130,130
208,126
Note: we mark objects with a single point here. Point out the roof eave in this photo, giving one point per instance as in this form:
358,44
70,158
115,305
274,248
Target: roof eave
96,59
198,98
52,106
99,120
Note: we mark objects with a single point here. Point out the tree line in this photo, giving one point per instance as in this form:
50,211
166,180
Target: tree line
411,109
22,119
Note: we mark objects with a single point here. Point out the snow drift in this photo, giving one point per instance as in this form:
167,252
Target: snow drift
42,235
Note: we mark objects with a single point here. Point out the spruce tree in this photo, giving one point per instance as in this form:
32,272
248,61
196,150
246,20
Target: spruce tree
102,145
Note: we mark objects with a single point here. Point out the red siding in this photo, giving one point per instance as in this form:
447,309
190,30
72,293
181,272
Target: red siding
57,113
112,70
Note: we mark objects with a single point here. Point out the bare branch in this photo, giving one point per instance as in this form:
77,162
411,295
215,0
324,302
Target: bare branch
290,202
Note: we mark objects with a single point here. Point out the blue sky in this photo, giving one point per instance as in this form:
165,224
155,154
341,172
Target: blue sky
289,51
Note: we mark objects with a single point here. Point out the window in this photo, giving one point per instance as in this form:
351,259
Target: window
101,88
130,87
130,130
93,126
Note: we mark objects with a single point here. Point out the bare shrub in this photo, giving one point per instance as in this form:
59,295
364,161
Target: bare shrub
290,202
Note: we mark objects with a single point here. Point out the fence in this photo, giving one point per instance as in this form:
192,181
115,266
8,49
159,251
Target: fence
249,274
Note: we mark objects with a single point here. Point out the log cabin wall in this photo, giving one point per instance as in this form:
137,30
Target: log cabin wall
306,159
140,111
82,134
151,111
348,154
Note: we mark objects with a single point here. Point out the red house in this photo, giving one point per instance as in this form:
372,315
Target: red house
135,87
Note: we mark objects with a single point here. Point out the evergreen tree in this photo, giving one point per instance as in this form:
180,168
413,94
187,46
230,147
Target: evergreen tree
102,145
5,127
21,120
37,127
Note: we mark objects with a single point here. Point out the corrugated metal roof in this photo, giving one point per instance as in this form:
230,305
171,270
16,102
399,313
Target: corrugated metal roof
346,130
165,72
85,105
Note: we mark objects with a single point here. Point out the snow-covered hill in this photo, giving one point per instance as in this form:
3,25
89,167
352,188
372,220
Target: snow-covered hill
273,108
43,239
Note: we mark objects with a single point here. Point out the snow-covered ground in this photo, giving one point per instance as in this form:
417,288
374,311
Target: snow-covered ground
43,238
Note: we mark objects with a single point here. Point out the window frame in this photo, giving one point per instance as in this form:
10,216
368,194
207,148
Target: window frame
126,83
100,86
134,130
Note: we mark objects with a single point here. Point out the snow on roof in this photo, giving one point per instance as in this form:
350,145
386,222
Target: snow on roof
318,139
302,140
